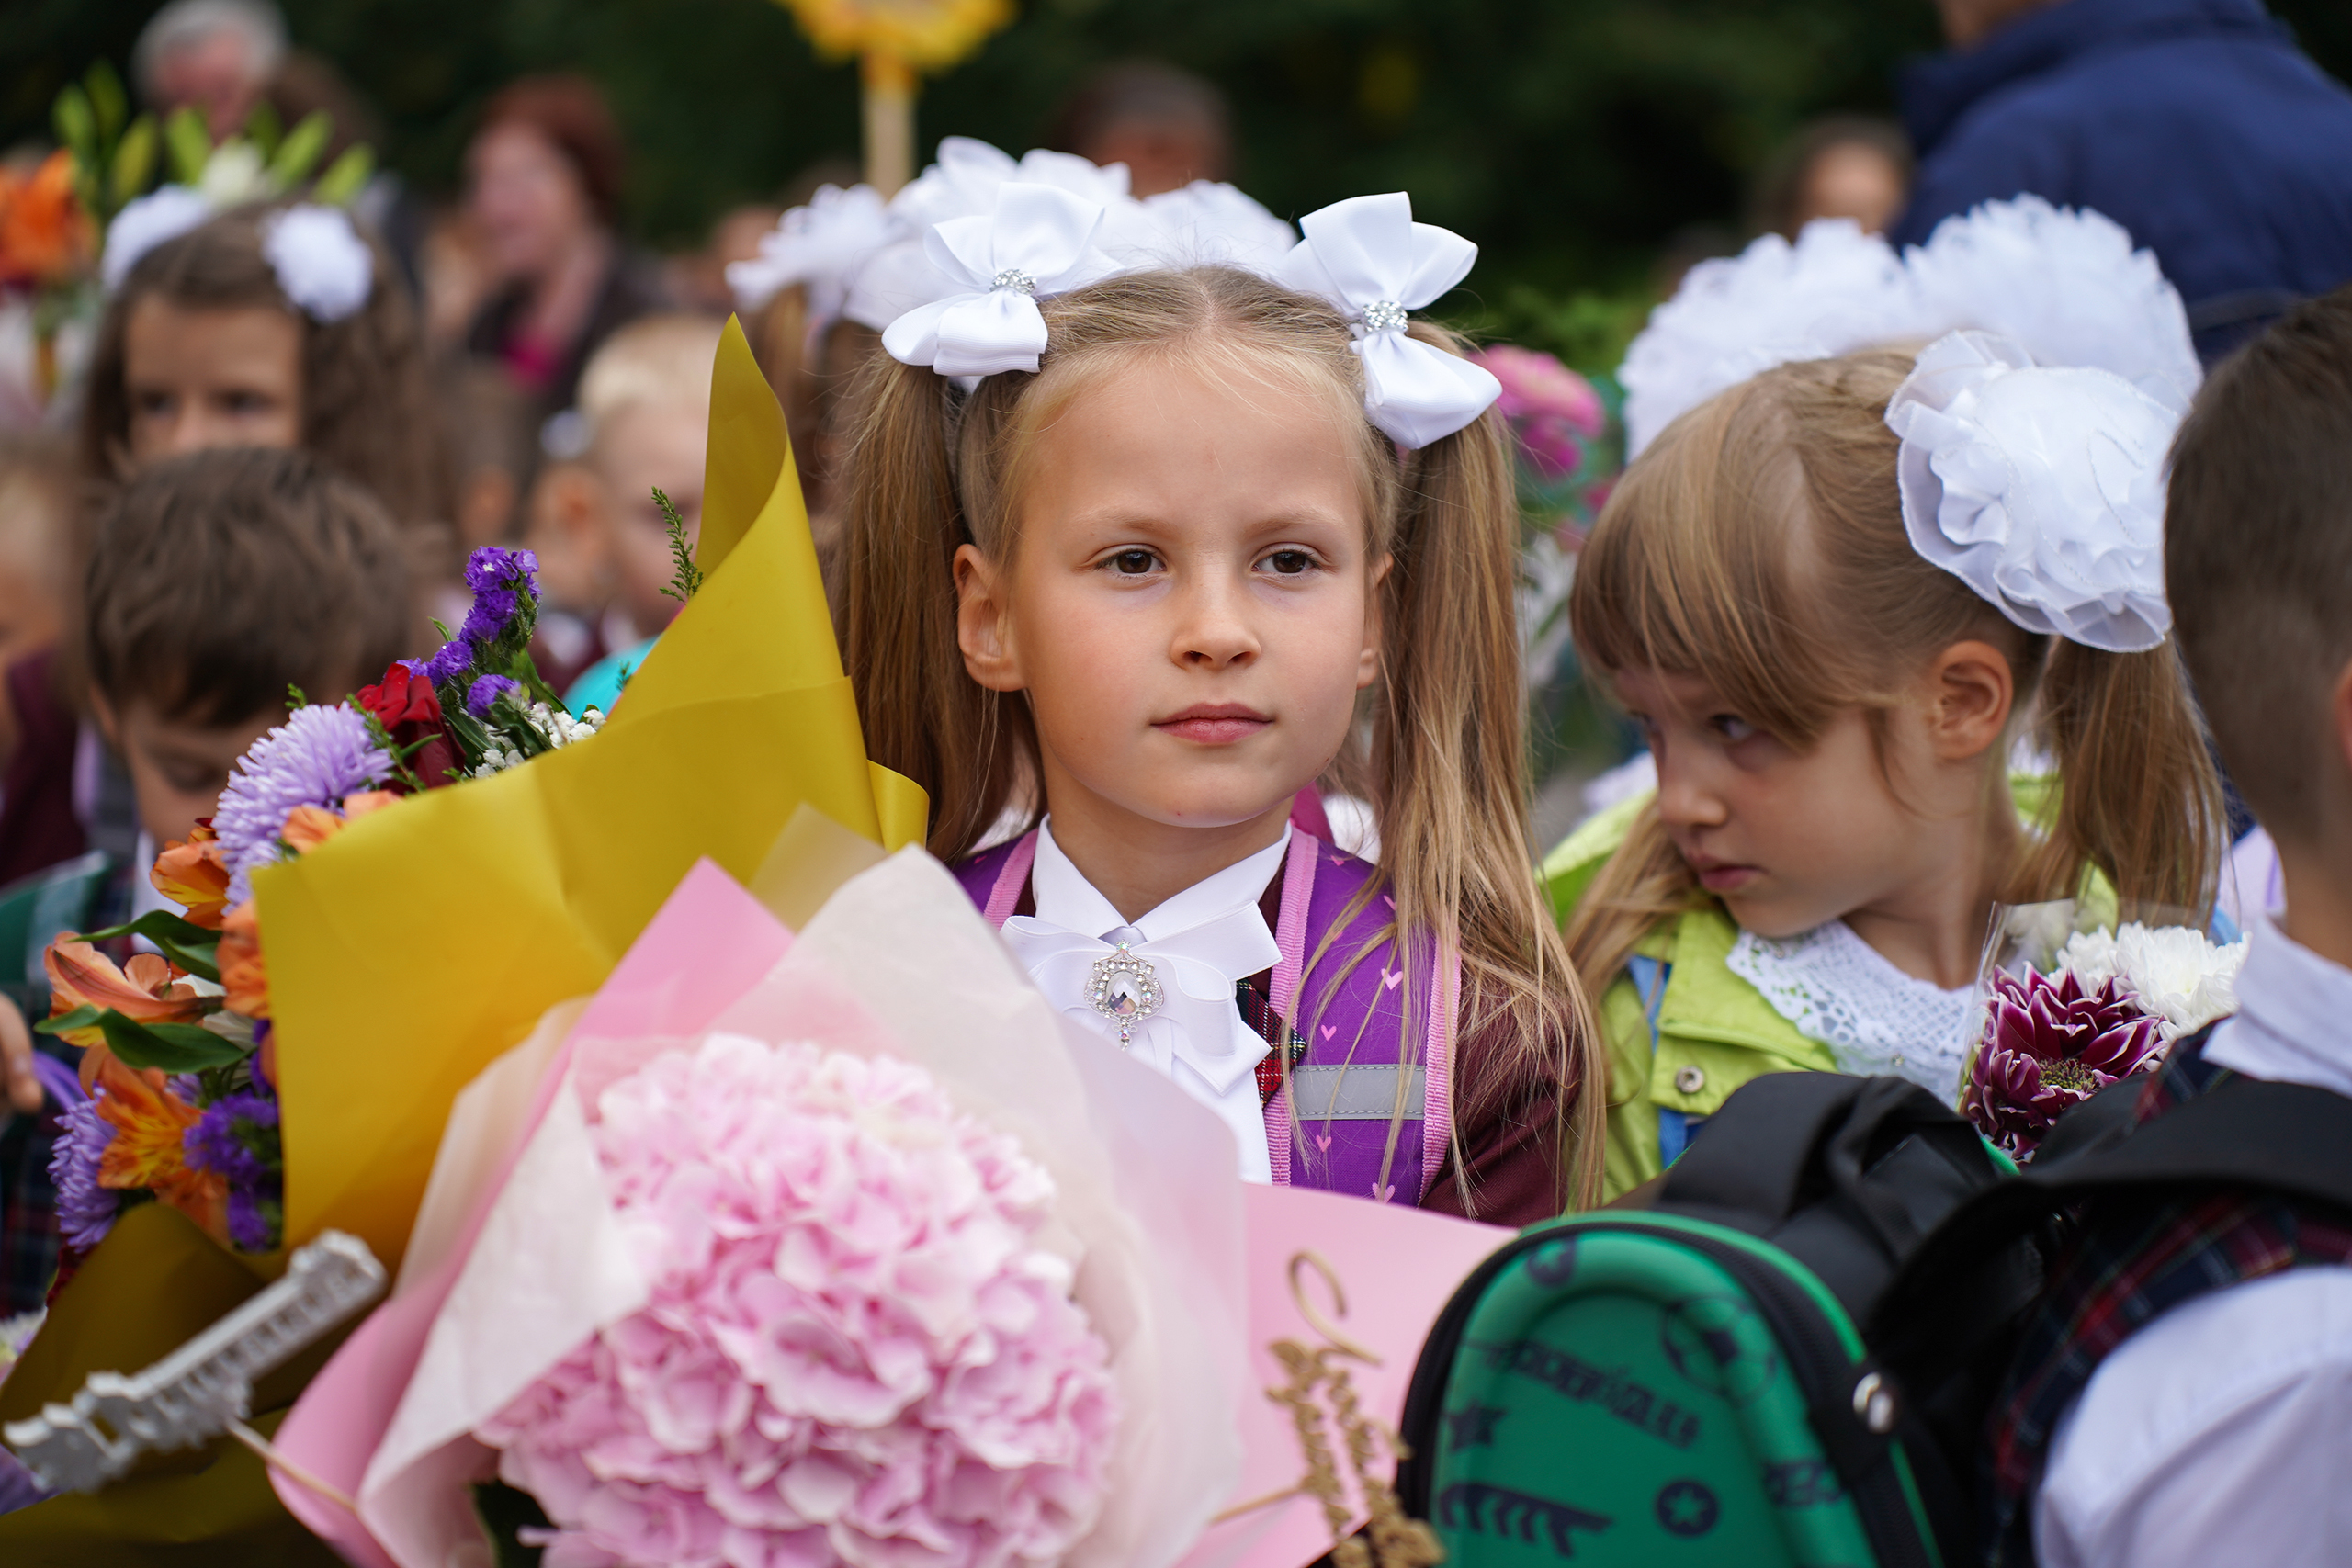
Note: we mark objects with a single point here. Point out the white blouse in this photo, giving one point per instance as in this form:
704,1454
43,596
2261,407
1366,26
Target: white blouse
1199,945
1840,990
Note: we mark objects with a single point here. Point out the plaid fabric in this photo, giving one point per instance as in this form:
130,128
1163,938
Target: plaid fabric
2128,1262
28,1238
1258,1012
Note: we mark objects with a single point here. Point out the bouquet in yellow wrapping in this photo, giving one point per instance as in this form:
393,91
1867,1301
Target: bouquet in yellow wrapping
372,951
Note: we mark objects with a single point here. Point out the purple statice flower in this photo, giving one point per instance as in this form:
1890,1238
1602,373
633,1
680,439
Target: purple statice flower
486,692
256,1218
85,1210
2048,1045
318,756
237,1136
450,661
500,579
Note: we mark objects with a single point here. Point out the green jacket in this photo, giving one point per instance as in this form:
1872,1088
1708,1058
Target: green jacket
1713,1031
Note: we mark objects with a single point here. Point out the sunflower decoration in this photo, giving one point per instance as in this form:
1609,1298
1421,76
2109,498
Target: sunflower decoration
894,41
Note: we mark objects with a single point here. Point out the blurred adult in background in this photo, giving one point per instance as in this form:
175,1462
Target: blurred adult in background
2196,124
698,279
1168,127
215,56
1839,166
544,185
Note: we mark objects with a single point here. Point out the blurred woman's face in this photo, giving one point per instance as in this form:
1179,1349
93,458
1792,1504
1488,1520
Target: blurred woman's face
211,378
526,199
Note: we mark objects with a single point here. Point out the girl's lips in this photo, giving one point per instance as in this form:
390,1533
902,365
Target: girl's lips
1727,878
1213,732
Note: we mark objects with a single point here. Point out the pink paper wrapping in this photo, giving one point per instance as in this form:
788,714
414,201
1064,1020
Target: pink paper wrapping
710,930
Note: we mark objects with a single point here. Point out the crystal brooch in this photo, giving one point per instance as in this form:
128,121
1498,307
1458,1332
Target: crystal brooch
1125,989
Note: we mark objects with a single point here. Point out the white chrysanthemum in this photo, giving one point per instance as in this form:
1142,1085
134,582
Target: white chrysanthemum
2176,972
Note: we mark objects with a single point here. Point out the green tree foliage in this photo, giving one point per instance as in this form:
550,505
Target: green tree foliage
1569,137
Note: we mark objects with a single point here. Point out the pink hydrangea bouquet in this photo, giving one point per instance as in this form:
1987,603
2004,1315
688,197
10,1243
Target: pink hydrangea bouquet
789,1250
2104,1006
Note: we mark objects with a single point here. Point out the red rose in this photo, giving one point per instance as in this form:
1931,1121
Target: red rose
401,697
410,711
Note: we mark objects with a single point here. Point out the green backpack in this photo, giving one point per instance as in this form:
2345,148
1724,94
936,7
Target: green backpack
1686,1383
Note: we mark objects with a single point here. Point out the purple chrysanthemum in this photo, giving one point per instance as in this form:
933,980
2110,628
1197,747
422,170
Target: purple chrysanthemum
2049,1044
317,757
486,692
85,1210
237,1135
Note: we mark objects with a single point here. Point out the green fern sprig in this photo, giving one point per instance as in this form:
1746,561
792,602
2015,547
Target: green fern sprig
686,579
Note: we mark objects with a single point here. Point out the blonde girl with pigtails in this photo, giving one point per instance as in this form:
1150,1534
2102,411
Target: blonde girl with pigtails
1131,551
1837,595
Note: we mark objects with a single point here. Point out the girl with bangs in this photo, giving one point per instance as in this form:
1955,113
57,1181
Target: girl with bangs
1132,556
1782,592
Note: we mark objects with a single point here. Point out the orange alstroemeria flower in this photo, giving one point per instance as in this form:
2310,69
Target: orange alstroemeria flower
146,989
194,875
308,827
241,976
148,1149
44,235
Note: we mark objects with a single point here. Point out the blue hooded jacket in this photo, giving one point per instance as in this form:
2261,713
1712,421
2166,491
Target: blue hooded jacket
2196,124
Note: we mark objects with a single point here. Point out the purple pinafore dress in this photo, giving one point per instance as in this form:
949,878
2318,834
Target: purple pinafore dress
1352,1047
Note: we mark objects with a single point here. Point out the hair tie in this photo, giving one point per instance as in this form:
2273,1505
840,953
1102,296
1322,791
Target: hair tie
1367,256
1038,242
2041,487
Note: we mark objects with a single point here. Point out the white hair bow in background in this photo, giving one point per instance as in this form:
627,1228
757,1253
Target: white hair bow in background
2042,487
1039,242
320,262
819,246
162,215
1367,256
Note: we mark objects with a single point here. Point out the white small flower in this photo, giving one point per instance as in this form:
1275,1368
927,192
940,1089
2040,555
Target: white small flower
2090,956
235,174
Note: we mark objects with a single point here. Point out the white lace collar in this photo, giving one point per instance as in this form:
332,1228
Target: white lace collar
1837,989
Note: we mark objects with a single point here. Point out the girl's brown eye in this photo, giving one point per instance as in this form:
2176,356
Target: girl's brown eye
1131,563
1291,563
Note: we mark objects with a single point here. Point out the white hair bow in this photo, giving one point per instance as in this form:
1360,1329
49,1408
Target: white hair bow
822,246
320,262
2041,487
1367,256
1038,242
161,216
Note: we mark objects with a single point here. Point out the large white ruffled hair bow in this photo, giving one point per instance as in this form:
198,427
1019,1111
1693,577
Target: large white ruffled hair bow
1038,242
1367,256
2042,487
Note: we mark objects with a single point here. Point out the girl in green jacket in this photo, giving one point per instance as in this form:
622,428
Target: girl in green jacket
1831,711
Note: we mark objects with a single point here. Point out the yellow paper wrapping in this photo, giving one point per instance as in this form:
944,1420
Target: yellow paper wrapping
419,944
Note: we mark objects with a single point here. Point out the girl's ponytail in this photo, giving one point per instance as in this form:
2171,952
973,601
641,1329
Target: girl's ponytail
2138,794
1448,758
923,714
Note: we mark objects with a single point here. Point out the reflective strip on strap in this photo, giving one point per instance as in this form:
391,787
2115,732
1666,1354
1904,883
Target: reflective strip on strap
1355,1093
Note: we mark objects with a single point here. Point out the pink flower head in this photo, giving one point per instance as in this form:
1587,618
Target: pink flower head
2050,1044
1551,410
854,1352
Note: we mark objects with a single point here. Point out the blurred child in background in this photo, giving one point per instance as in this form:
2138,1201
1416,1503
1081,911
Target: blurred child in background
216,581
1839,166
644,418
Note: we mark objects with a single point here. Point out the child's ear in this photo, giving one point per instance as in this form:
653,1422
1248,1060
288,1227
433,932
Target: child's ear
983,629
1971,696
1368,661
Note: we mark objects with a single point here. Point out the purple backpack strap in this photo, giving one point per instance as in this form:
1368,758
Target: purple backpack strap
994,878
1290,936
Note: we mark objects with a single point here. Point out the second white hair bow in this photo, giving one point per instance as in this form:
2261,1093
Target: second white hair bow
1367,256
1039,242
2041,487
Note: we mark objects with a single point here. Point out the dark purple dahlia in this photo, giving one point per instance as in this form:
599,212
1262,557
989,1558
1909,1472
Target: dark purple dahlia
2049,1044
